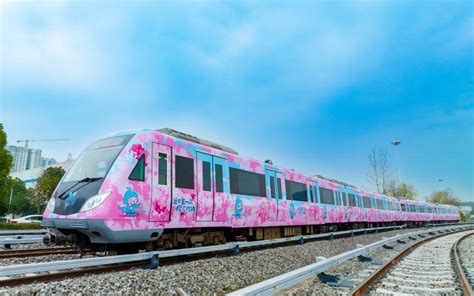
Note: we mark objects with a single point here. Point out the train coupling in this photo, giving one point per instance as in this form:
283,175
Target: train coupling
56,238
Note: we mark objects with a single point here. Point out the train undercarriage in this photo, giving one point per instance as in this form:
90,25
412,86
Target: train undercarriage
197,237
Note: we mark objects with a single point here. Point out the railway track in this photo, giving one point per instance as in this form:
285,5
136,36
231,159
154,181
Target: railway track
37,252
429,267
49,271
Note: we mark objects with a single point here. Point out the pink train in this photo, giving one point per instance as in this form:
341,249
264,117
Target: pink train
163,188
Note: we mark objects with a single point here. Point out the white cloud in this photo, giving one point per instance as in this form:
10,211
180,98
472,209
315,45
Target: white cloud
40,48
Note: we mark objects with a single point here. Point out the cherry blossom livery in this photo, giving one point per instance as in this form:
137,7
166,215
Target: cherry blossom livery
163,188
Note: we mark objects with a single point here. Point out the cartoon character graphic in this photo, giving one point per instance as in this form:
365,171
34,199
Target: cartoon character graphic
131,205
70,199
292,211
238,207
301,211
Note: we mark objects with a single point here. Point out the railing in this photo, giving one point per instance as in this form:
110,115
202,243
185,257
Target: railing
14,237
271,286
23,232
234,246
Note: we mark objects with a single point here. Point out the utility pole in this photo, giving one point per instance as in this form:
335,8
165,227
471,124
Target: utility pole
397,143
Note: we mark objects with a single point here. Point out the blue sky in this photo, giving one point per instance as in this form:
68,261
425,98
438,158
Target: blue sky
312,85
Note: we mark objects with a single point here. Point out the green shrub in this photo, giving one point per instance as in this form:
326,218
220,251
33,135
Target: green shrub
20,226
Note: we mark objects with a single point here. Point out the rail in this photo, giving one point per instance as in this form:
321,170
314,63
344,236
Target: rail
271,286
465,285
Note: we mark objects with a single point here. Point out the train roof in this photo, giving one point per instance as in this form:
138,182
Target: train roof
194,139
200,141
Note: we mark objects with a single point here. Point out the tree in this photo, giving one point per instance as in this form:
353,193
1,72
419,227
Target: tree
403,190
45,186
380,169
444,197
6,161
22,199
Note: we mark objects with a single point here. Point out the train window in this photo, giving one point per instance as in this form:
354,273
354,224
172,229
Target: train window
162,169
272,186
219,178
326,195
404,209
279,188
379,204
366,202
206,176
138,172
352,200
247,183
296,191
373,203
344,199
359,201
184,172
311,193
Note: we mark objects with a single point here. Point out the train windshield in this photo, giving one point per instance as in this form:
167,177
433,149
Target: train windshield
97,159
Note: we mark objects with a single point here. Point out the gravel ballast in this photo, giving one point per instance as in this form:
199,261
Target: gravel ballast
217,275
352,270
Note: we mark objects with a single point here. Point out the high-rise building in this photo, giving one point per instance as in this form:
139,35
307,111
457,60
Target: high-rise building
47,161
25,158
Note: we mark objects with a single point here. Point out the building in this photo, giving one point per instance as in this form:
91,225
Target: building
47,161
30,177
24,158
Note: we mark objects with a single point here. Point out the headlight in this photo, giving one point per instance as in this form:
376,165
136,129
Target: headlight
50,205
94,201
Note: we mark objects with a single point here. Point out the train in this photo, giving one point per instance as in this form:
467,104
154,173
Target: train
159,189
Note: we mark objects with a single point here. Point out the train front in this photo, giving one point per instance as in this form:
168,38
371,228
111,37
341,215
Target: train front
97,202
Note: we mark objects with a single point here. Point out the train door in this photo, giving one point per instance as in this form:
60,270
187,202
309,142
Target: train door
272,194
212,202
281,193
220,172
313,203
205,196
161,183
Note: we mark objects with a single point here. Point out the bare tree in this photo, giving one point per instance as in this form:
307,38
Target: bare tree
380,170
404,190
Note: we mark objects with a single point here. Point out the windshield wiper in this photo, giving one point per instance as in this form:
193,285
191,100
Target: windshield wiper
85,180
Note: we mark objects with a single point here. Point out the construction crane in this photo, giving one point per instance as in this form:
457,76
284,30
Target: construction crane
42,140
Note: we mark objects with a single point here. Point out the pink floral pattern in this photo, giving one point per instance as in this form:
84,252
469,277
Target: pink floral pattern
170,207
